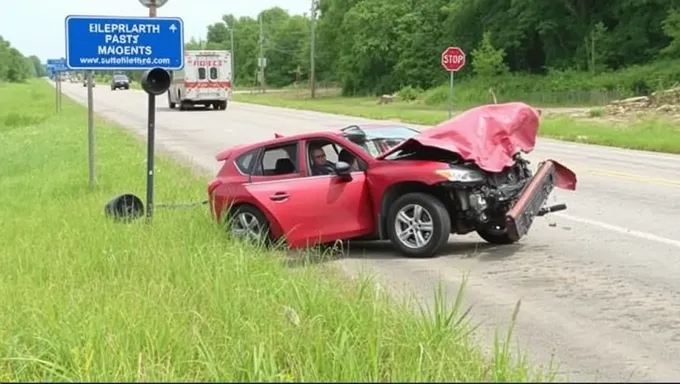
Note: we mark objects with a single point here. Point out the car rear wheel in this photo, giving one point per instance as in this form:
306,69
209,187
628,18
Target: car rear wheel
495,233
248,223
418,225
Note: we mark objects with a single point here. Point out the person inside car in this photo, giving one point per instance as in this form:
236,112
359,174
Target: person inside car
321,166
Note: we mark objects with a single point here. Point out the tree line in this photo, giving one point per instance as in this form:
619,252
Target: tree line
380,46
15,67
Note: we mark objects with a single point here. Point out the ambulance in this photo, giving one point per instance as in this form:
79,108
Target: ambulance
205,80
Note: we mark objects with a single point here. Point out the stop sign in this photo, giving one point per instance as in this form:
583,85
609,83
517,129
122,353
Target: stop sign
453,59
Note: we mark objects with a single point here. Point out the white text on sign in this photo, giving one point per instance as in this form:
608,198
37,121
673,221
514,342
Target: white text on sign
118,33
454,59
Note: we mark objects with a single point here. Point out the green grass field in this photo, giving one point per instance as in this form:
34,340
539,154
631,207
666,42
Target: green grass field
647,133
87,299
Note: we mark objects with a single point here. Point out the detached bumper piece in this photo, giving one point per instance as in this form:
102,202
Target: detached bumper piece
530,203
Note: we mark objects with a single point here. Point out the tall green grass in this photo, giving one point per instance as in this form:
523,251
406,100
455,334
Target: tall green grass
86,299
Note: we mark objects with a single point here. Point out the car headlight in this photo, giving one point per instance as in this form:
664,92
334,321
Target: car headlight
461,175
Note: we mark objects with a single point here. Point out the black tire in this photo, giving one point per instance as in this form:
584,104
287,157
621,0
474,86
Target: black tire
441,224
170,103
252,212
498,235
222,105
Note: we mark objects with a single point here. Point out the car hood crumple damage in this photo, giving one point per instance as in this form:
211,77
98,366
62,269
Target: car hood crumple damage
490,136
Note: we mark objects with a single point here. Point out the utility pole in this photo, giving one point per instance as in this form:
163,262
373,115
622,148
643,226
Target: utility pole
152,8
312,48
261,61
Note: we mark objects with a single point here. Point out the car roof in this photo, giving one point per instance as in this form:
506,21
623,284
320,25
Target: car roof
239,149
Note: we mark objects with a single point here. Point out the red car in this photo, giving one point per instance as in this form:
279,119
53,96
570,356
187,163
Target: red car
391,182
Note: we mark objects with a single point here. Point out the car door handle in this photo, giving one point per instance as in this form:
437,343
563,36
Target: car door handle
279,196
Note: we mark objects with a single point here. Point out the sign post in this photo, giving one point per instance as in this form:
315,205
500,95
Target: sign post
116,43
57,67
453,60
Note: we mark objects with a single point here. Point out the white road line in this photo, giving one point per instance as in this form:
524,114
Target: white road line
622,230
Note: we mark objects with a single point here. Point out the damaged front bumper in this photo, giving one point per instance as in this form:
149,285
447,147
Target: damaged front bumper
531,201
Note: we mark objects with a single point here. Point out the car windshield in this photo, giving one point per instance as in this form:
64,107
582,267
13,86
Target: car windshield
379,140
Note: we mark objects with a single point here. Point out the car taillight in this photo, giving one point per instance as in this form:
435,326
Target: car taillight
212,186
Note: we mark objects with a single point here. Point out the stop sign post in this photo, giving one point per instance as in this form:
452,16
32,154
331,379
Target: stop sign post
453,60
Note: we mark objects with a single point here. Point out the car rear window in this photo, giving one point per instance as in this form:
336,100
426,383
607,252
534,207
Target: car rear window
244,162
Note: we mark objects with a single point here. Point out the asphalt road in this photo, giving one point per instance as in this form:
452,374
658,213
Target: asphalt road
599,283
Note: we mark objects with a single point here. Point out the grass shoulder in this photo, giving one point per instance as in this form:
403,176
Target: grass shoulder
649,131
86,299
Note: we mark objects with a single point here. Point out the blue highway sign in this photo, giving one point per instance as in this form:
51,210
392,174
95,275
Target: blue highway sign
57,65
124,43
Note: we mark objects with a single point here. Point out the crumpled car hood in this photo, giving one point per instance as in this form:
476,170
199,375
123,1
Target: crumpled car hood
488,135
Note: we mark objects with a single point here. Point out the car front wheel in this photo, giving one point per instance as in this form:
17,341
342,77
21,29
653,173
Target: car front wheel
418,225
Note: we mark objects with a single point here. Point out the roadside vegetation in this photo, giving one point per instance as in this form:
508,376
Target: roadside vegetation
582,53
15,67
88,299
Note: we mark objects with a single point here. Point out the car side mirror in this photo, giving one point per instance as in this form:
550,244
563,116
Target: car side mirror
343,170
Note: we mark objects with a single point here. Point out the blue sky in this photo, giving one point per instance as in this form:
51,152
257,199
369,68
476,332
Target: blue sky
36,27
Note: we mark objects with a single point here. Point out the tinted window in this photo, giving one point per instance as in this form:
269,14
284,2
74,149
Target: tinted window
201,73
213,73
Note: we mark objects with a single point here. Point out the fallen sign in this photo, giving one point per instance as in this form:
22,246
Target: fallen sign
128,207
155,82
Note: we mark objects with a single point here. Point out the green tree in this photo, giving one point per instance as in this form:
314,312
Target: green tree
487,60
14,66
671,27
380,46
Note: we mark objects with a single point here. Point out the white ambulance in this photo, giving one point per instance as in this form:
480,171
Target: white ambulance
205,80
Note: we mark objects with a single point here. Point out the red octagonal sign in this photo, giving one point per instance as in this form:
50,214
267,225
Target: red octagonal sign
453,59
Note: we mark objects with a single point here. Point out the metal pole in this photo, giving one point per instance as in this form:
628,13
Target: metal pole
151,137
233,59
312,74
56,92
451,95
90,128
261,61
60,94
150,140
152,9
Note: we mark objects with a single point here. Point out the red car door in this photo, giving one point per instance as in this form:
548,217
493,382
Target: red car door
313,210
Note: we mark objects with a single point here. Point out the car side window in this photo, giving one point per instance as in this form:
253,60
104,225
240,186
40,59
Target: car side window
279,160
334,153
245,161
